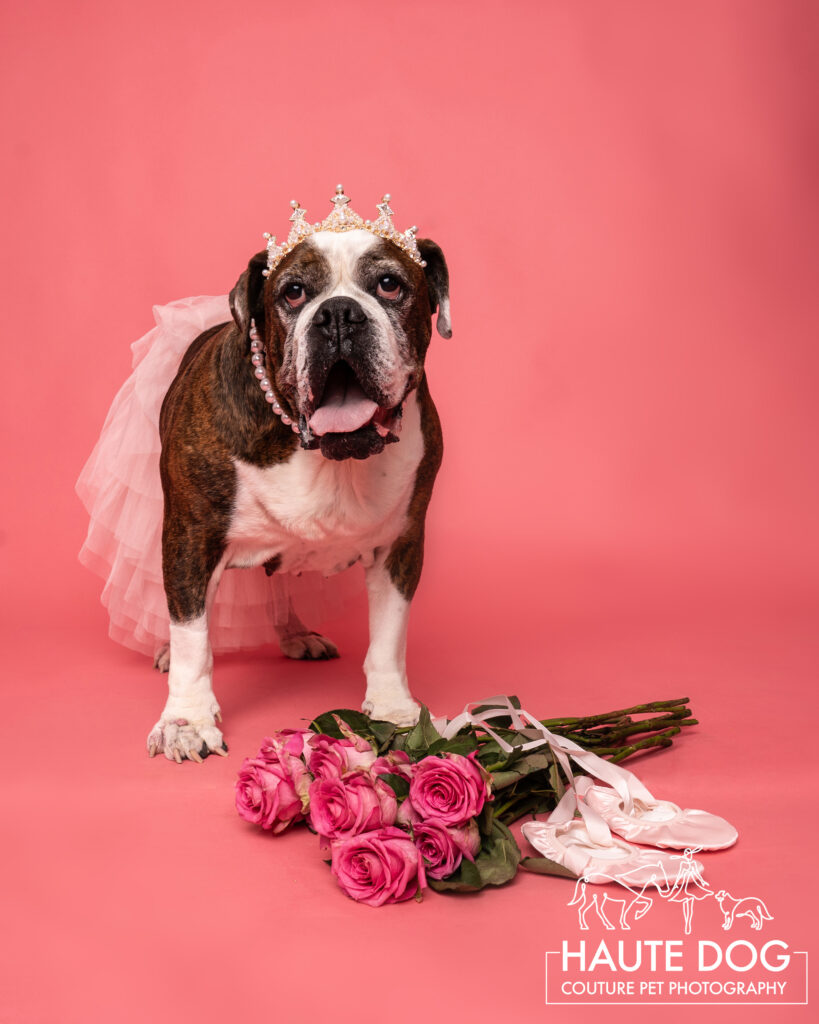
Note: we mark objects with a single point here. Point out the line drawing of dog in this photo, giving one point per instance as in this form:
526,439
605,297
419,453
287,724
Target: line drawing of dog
638,902
749,906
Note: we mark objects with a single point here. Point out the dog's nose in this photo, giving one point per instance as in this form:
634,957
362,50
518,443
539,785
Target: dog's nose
338,320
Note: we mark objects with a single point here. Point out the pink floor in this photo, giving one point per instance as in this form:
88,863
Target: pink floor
626,194
135,892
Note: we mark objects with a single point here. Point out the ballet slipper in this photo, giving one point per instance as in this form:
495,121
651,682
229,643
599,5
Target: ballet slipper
587,848
656,822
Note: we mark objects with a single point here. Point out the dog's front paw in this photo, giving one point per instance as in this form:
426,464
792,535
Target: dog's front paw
180,739
308,646
400,713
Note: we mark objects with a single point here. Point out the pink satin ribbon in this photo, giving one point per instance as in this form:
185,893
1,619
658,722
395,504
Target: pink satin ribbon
625,783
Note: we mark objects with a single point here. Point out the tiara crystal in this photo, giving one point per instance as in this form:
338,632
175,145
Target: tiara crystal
341,218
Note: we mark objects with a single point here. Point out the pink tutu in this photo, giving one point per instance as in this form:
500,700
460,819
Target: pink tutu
121,489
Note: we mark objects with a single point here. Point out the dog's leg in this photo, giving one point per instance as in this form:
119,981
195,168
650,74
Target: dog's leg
391,583
297,641
388,696
187,727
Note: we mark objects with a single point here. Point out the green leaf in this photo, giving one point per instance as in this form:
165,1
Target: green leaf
358,722
544,866
463,745
503,778
485,819
384,733
514,701
496,864
526,803
398,784
557,781
499,857
466,879
528,765
379,733
422,736
491,753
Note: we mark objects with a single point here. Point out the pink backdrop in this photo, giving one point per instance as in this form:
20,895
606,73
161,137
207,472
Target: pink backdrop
626,194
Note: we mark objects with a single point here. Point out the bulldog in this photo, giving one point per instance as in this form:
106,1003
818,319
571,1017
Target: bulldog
302,436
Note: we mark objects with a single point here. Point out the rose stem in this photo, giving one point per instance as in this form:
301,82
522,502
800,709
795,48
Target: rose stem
609,737
655,705
661,739
647,725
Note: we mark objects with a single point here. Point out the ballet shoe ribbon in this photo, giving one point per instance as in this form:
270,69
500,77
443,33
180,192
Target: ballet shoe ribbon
625,783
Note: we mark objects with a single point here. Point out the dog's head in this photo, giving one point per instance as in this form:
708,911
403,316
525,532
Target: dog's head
346,322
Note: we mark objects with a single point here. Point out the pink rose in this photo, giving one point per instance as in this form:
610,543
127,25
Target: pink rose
345,807
407,815
282,752
395,762
328,757
378,867
444,848
290,741
272,794
450,789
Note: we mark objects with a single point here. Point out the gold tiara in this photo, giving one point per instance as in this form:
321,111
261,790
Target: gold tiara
341,218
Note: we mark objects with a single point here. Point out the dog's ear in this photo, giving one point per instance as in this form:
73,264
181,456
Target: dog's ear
437,284
246,298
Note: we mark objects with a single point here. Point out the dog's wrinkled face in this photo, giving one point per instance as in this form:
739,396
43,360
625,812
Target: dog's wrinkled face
347,322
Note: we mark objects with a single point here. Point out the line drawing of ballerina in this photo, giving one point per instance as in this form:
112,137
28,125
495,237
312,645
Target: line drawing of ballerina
688,887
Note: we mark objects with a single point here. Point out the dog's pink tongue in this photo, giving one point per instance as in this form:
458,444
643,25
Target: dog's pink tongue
344,407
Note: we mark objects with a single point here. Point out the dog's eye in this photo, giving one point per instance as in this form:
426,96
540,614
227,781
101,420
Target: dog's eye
295,294
389,287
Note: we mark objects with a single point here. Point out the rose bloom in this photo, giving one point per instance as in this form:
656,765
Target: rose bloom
328,757
383,866
288,741
272,794
345,807
443,848
395,762
449,790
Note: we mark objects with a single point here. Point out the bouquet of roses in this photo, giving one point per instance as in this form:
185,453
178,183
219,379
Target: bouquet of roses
400,810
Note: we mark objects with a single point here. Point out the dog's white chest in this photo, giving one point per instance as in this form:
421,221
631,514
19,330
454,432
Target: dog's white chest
316,514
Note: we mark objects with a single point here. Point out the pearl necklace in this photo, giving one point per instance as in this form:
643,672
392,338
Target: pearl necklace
259,372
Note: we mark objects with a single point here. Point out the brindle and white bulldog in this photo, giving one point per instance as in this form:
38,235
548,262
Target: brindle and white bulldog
344,321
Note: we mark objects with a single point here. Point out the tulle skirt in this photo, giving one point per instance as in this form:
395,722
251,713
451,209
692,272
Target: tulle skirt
121,489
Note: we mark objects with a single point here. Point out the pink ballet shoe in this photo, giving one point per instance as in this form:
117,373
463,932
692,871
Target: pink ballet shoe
656,822
587,848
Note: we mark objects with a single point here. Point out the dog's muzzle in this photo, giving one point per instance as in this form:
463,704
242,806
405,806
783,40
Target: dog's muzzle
348,410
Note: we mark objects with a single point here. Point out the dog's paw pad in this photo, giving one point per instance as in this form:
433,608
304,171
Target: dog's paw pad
308,646
162,658
181,740
403,714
